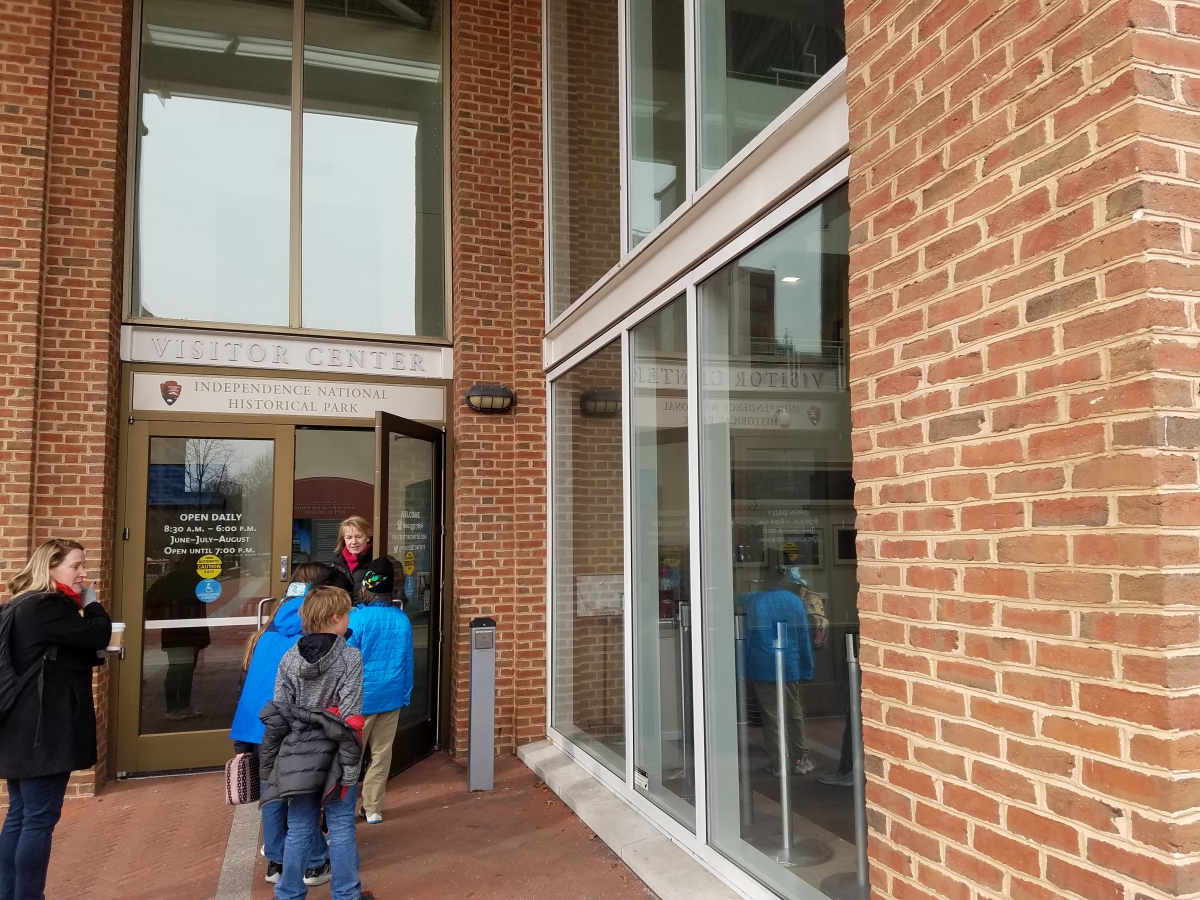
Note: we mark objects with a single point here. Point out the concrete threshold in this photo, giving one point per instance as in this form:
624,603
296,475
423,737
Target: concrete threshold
666,868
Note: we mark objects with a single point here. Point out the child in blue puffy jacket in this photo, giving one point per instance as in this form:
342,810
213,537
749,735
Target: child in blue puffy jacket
383,635
260,665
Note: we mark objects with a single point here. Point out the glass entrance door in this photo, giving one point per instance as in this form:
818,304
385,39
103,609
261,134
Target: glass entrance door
408,529
203,556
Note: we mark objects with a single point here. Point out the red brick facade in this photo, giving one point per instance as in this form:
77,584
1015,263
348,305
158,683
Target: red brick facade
62,139
499,461
1025,376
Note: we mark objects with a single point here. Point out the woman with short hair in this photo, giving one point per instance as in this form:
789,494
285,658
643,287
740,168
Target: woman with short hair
353,550
51,729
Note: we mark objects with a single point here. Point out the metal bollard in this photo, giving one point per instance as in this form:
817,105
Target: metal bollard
481,729
854,885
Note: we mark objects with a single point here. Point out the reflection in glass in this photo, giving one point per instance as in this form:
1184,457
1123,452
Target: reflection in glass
664,761
657,114
410,543
334,479
372,174
208,563
756,57
583,123
211,241
588,556
778,520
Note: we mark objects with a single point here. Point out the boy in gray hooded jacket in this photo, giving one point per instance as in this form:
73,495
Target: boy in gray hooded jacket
321,674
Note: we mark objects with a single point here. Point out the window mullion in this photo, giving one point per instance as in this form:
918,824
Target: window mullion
296,235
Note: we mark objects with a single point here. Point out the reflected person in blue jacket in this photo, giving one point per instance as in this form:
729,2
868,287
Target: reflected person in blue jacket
764,609
383,635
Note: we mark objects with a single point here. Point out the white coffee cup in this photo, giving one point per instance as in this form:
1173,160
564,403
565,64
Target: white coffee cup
117,641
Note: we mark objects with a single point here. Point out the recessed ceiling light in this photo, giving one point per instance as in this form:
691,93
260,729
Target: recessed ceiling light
790,279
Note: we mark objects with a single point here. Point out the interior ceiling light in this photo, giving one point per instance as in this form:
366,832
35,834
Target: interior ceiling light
790,279
273,48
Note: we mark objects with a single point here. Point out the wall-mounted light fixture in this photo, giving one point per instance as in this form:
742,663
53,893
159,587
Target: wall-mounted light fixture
600,402
489,398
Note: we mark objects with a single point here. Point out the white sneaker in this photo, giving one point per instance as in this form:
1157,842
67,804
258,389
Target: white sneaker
374,819
803,766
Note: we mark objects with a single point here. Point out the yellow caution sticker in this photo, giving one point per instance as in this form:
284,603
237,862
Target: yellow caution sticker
789,550
410,563
208,566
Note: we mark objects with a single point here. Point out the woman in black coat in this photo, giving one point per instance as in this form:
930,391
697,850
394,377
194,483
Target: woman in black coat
51,729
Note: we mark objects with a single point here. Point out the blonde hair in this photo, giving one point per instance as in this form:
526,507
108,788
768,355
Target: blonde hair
321,606
352,522
36,574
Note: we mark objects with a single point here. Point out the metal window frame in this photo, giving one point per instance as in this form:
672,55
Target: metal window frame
295,197
694,191
694,843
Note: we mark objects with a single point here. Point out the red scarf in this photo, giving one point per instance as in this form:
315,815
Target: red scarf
70,592
350,558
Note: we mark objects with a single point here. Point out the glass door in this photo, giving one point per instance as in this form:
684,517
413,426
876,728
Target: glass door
202,556
408,529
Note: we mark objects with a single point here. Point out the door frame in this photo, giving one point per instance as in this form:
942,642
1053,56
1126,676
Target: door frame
136,752
116,742
415,741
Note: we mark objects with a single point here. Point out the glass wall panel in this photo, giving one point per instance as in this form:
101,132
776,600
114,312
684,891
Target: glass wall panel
664,759
372,173
588,556
657,114
778,530
211,241
583,123
756,57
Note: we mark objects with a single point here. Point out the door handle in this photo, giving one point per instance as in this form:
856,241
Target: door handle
283,569
261,603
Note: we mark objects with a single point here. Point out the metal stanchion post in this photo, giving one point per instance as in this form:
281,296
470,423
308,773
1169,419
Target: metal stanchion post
746,795
854,885
481,715
685,687
785,794
805,851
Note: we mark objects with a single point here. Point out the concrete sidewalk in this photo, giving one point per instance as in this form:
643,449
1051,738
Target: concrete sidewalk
166,838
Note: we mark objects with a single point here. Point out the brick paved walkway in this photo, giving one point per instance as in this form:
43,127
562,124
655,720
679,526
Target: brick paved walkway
166,837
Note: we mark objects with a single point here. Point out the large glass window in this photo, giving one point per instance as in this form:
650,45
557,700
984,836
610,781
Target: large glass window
372,185
583,122
756,57
219,205
213,184
778,552
588,705
664,759
657,114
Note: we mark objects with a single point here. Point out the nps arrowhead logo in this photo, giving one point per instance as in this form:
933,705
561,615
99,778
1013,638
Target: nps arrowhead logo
170,391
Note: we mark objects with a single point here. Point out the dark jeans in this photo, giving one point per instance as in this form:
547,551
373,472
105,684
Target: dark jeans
34,805
177,683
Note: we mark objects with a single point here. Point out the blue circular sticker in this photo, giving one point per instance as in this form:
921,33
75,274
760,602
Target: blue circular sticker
410,587
208,590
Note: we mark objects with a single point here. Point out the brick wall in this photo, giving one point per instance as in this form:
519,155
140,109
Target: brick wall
1024,373
589,516
499,501
584,129
61,171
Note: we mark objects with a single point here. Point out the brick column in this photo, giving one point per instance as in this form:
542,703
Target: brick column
499,500
1024,372
62,157
25,37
